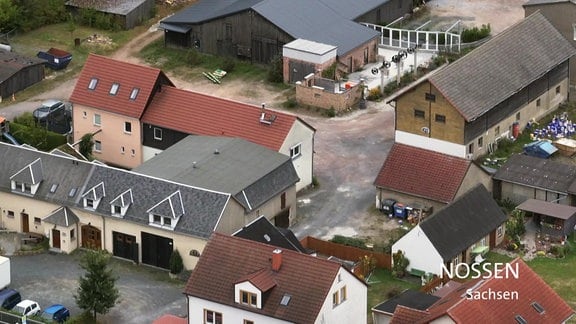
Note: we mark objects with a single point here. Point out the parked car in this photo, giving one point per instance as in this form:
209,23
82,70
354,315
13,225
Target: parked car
9,298
56,313
52,109
27,307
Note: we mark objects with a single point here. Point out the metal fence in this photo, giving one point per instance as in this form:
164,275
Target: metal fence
9,318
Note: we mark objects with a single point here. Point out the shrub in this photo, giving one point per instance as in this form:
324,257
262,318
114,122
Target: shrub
229,64
374,94
176,264
349,241
330,112
275,70
290,103
400,264
330,72
473,34
38,137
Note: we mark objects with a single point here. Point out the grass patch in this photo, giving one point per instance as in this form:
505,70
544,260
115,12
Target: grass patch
190,63
383,286
560,274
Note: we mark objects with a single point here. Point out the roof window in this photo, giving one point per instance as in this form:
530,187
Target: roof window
285,300
134,93
114,88
93,83
538,307
520,320
53,188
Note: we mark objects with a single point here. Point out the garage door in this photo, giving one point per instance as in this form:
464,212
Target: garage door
156,250
125,246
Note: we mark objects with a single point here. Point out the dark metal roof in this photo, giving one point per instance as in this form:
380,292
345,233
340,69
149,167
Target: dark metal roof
463,223
315,21
536,172
548,208
410,298
261,230
10,63
353,9
205,10
493,72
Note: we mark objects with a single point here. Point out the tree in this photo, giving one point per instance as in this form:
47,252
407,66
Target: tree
97,292
8,15
176,264
85,145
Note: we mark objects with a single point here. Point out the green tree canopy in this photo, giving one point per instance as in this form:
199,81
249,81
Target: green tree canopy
97,292
8,15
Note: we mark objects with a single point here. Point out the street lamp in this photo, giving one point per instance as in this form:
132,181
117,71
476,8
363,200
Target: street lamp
383,70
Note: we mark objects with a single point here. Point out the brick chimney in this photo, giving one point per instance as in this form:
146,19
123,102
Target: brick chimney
276,259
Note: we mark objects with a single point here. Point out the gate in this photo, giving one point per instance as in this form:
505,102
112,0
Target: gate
156,250
125,246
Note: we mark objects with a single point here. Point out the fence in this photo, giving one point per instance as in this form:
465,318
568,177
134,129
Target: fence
424,39
346,252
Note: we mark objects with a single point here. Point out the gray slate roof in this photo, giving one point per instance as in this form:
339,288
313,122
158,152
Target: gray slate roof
464,222
62,216
313,20
261,230
251,173
491,73
537,173
202,208
13,62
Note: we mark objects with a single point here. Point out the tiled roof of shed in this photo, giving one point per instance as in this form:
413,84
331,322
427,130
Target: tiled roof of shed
422,173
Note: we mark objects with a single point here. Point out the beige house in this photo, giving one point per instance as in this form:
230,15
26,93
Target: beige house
77,204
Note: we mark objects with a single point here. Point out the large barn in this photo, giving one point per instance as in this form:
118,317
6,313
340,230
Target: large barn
18,72
126,13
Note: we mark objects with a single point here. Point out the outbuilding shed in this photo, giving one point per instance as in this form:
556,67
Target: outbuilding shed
126,13
17,72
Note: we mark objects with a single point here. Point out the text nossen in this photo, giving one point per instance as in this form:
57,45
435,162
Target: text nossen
486,270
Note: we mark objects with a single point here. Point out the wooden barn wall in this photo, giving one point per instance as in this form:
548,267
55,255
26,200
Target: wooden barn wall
21,80
140,14
387,12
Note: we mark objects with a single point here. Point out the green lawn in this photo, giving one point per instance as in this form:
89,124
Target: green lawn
383,286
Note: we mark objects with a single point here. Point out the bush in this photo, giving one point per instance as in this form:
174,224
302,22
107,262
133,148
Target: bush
229,64
330,112
176,264
38,137
330,72
374,94
470,35
349,241
400,264
275,67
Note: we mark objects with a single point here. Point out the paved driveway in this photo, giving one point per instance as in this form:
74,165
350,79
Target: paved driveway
145,293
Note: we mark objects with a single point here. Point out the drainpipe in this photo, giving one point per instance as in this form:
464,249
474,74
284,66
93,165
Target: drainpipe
104,231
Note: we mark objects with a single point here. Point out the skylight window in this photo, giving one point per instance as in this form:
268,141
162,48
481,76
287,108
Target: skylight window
72,192
53,188
520,320
134,93
538,307
93,83
114,88
285,300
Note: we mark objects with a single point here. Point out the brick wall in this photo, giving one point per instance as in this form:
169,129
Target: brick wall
309,94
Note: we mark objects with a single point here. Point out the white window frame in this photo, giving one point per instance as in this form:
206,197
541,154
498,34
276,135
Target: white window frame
160,132
214,321
126,123
296,151
97,146
93,83
97,120
134,93
574,32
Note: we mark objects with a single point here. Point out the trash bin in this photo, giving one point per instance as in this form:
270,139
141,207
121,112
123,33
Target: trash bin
400,210
387,207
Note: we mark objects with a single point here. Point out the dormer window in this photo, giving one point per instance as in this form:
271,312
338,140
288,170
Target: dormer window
28,179
93,83
248,298
114,88
93,196
166,213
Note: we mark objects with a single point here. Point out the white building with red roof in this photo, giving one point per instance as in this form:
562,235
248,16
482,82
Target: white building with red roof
243,281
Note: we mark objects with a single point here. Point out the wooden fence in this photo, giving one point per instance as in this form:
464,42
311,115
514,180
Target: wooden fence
345,252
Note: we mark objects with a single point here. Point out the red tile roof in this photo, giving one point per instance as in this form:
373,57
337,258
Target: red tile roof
530,288
129,76
423,173
406,315
226,259
263,279
200,114
170,319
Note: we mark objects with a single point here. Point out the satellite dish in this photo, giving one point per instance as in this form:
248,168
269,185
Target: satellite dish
425,130
386,64
374,71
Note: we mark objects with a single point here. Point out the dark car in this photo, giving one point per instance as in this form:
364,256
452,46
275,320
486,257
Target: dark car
9,298
56,313
52,110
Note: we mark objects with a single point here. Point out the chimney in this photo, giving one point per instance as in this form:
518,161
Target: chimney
276,259
263,111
